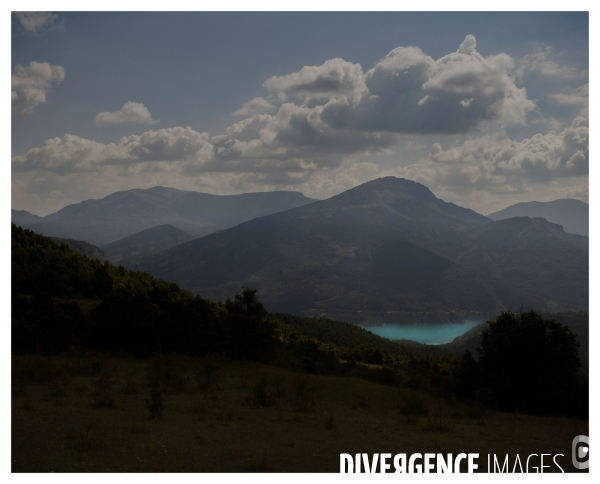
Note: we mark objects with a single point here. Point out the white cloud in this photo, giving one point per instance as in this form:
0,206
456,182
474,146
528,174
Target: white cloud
329,133
258,105
542,62
130,112
296,138
410,92
489,163
29,85
423,100
334,79
576,98
153,150
39,22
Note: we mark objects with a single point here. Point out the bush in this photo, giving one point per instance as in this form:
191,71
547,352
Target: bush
207,375
304,393
267,392
102,396
155,405
168,374
413,406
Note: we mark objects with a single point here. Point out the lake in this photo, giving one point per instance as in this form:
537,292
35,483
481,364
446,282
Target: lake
429,334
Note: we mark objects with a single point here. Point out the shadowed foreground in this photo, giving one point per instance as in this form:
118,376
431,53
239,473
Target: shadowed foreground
87,413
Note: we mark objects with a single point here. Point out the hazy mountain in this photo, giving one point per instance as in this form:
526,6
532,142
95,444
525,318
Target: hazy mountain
146,242
125,213
83,247
23,217
388,250
573,215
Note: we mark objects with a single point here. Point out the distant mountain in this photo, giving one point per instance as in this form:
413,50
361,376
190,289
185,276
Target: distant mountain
388,250
146,242
125,213
23,217
572,214
84,248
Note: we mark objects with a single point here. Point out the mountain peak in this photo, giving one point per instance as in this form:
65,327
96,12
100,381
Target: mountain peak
395,184
386,190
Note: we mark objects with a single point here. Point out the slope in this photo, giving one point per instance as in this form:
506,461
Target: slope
146,242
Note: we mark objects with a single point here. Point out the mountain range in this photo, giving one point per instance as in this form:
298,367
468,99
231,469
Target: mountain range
387,250
109,219
572,214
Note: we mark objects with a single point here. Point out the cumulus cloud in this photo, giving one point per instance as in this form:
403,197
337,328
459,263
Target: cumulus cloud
489,163
30,84
258,105
333,122
336,78
410,92
296,138
344,111
39,22
130,113
153,150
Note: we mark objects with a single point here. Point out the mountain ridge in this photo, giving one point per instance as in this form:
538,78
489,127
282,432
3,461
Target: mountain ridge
386,249
571,214
106,220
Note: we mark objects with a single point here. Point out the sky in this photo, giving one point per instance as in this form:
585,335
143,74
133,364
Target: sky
486,109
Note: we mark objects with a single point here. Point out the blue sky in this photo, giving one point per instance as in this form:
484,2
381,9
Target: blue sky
486,109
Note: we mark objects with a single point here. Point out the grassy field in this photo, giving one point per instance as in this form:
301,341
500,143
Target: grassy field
88,413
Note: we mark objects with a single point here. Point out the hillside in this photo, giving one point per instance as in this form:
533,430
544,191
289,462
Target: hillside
388,250
111,218
572,214
62,298
146,242
84,248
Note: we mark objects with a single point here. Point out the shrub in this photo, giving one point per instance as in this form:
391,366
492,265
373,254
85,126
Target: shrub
155,405
102,396
413,406
207,375
304,393
267,392
167,374
130,387
330,423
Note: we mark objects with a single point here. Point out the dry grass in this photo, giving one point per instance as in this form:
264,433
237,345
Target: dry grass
207,426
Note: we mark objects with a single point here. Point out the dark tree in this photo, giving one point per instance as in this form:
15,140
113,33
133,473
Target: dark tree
526,363
251,334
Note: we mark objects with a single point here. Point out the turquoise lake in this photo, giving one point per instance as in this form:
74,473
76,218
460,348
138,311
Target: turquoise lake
429,334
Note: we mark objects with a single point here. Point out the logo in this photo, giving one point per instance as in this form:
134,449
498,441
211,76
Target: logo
581,452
